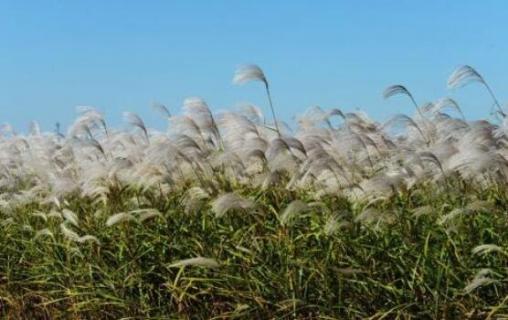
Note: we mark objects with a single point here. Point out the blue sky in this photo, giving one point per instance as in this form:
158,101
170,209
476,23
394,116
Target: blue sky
123,55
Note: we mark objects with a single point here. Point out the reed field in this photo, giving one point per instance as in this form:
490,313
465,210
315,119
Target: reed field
235,215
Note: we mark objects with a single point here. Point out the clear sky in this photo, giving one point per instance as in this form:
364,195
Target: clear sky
123,55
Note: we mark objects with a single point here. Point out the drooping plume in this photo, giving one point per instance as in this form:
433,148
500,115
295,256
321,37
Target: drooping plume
252,72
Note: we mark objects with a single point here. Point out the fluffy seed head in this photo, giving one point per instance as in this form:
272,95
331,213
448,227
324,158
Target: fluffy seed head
197,262
247,73
464,75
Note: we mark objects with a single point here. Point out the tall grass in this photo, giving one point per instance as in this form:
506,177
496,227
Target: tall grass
224,217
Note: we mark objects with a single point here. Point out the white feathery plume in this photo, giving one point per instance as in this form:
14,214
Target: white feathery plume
277,147
91,142
139,215
481,279
162,109
449,217
7,222
70,216
230,201
197,109
466,74
147,214
431,157
406,121
43,233
27,228
136,121
194,198
252,112
447,103
371,216
422,211
68,233
89,119
487,248
400,89
295,208
332,225
88,238
41,215
252,72
480,206
55,214
197,262
57,202
313,117
249,72
119,218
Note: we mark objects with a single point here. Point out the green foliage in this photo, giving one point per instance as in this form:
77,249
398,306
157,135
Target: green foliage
286,256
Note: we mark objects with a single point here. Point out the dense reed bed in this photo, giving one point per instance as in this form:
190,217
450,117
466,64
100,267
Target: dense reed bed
232,216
